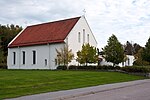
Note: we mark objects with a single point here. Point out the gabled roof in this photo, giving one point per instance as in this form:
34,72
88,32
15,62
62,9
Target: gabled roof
52,32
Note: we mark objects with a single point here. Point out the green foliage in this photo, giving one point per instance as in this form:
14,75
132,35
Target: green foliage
64,56
137,69
88,54
146,52
7,33
113,51
62,67
83,67
139,61
2,60
93,68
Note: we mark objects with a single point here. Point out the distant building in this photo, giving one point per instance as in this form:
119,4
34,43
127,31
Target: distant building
129,61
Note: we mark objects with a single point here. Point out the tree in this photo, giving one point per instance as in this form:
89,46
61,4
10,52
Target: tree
137,47
7,33
88,54
64,56
2,58
114,51
131,49
139,61
146,51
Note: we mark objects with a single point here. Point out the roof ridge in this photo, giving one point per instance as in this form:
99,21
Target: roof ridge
54,21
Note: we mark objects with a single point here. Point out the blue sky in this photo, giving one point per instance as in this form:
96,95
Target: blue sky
129,20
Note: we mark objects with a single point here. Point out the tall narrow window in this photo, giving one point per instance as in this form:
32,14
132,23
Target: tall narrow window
83,36
55,61
23,57
88,37
45,62
34,57
79,37
14,58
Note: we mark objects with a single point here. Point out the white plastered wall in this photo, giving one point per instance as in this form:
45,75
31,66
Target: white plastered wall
72,38
43,52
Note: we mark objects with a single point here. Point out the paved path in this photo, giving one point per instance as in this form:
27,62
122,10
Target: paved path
134,90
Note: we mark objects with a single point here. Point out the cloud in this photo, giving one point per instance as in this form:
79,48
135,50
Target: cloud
129,20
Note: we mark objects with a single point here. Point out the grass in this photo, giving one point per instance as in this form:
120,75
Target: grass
14,83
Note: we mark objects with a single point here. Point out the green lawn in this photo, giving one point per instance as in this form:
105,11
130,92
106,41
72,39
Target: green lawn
14,83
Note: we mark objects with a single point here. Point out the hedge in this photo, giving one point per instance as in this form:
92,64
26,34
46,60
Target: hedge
72,67
62,67
136,69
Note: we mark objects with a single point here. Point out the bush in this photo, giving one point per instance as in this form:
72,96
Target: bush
83,67
73,67
3,66
106,67
141,63
62,67
136,69
118,67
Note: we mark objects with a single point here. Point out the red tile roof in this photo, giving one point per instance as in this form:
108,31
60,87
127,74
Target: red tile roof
52,32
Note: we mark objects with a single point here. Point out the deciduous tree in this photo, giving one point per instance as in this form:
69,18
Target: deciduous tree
146,51
114,51
64,56
139,61
88,54
7,33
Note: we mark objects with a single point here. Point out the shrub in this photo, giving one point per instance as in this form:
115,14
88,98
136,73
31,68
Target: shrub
62,67
3,66
136,69
118,67
72,67
139,62
106,67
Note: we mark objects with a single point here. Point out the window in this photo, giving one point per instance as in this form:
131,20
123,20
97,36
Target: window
14,58
122,63
79,37
83,35
23,57
34,57
45,62
88,37
55,61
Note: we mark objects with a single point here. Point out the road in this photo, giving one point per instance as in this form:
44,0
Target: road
134,90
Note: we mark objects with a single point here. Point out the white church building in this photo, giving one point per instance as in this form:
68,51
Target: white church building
35,46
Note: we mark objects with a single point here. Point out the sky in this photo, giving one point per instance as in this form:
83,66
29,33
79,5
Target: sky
129,20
